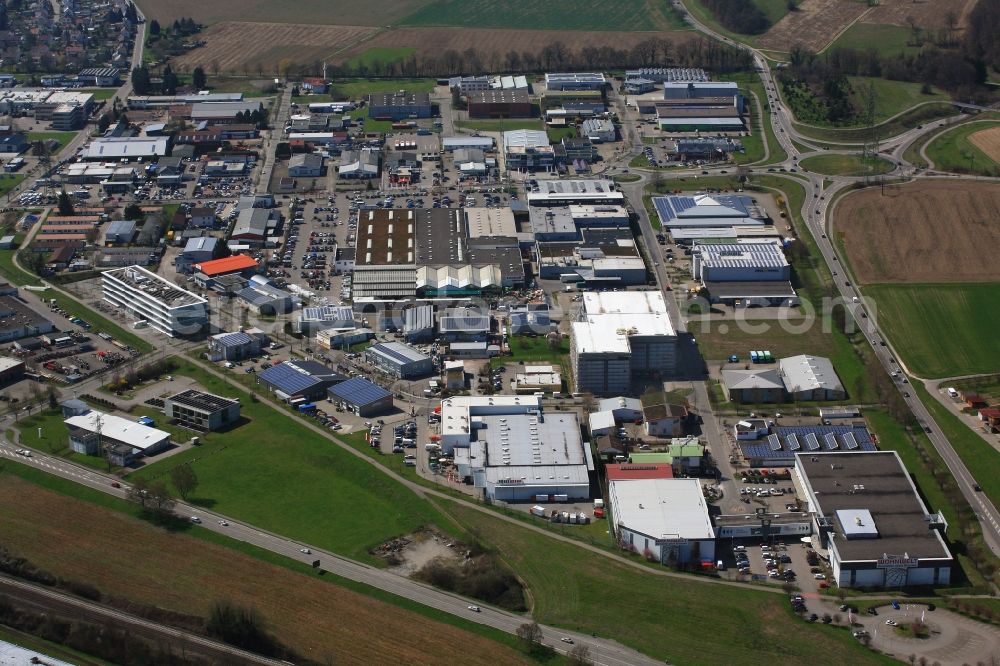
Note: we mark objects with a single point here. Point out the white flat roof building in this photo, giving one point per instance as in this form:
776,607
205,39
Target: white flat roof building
518,456
117,148
812,376
625,302
666,517
568,192
141,438
575,81
490,222
621,336
457,414
147,296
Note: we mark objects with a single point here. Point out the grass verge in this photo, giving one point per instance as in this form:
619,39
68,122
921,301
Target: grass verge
304,486
953,151
941,330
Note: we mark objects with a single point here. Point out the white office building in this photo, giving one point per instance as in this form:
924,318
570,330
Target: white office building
620,337
162,304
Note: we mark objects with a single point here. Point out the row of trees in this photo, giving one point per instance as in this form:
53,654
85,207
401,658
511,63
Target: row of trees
742,16
960,66
653,52
143,84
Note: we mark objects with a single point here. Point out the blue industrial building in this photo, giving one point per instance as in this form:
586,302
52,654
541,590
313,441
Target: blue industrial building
361,396
292,380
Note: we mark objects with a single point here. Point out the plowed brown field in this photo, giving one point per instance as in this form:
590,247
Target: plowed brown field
814,25
261,47
129,559
988,141
925,13
926,232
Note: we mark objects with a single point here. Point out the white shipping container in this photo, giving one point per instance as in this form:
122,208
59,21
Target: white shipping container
538,511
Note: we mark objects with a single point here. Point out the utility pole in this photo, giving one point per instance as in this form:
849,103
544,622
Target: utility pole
870,153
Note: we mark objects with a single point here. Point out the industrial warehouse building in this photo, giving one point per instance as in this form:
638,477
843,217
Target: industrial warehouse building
399,360
498,103
703,211
399,105
678,90
745,274
361,396
528,149
747,262
867,512
664,519
622,336
163,305
265,299
319,318
569,192
299,380
95,433
507,447
418,323
237,345
810,378
797,378
201,410
575,81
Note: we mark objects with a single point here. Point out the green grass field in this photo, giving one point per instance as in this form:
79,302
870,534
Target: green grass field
557,135
358,88
62,137
494,125
846,165
884,38
551,15
924,114
941,330
891,97
585,592
9,181
952,151
277,474
525,348
775,10
380,55
370,124
100,93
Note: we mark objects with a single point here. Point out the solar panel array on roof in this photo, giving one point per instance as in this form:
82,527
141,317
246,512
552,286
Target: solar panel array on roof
286,379
850,442
793,443
774,442
359,391
812,442
831,441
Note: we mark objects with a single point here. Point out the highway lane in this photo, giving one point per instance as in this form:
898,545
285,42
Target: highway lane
605,652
